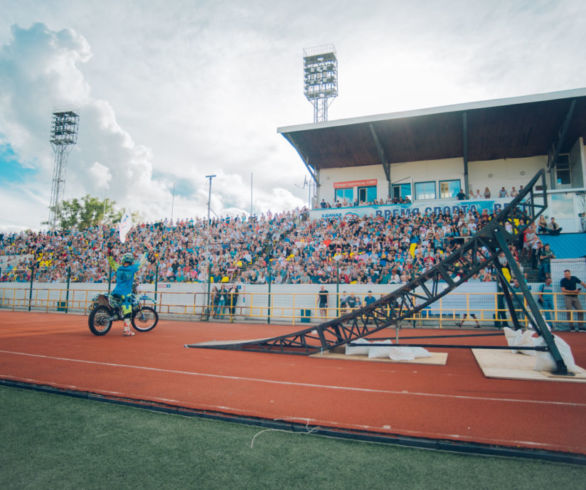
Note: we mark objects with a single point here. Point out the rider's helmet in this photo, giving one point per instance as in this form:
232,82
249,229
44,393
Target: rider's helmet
127,258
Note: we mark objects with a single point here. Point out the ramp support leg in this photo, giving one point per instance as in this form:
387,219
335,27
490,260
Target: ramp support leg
538,321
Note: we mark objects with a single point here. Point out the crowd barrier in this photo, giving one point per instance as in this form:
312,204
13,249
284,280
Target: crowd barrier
472,305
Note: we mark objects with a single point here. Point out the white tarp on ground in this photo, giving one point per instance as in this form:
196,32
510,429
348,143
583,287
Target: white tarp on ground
408,353
356,351
543,360
518,338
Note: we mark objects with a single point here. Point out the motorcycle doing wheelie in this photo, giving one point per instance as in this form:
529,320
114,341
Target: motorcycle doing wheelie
107,309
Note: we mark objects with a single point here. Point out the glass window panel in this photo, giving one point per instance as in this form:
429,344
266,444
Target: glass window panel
367,194
402,191
425,190
347,194
449,189
371,194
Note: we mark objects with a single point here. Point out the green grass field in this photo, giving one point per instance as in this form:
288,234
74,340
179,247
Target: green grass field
54,441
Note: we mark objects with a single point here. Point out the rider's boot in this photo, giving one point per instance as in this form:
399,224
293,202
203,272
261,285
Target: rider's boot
127,332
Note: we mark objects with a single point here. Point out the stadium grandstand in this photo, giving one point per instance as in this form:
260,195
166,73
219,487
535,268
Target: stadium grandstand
395,194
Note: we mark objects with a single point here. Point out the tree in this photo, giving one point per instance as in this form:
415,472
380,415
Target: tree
90,211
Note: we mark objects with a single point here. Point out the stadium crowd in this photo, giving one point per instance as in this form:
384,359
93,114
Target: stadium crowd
285,247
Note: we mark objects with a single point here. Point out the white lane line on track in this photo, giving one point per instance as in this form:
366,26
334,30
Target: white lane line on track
313,421
304,385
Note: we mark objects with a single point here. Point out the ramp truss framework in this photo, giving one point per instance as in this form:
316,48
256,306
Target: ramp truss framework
488,247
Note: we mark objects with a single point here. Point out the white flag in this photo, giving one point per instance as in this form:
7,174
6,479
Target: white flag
125,226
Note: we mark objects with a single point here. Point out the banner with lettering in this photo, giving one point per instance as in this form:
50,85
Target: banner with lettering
414,209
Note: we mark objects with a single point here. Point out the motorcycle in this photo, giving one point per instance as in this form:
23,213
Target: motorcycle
107,309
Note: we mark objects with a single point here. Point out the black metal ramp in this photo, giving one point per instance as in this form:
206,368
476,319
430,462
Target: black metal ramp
481,250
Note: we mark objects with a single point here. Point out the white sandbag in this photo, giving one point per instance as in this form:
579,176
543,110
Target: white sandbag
420,352
408,353
402,354
544,361
356,351
518,338
378,352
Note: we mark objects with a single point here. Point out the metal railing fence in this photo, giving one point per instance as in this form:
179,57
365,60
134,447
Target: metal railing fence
456,309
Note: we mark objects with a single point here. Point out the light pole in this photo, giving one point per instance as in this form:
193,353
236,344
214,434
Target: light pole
209,312
210,177
172,202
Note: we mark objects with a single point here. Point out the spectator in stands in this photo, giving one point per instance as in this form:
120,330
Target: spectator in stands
542,226
216,296
461,195
343,302
233,294
371,249
545,299
545,256
514,192
352,301
554,228
530,242
486,193
369,299
503,192
570,290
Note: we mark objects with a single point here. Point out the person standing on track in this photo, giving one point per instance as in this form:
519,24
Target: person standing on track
125,272
570,289
323,301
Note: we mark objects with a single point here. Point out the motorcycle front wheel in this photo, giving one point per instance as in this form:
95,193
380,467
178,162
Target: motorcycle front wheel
145,319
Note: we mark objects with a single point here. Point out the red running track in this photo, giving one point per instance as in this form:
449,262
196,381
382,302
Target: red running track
453,402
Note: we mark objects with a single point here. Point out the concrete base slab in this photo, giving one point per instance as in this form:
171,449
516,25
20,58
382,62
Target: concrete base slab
507,365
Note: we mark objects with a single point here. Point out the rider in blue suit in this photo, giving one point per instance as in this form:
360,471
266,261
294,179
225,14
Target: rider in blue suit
124,280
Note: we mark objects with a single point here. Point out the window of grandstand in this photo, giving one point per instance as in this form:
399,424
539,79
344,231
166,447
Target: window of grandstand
367,194
345,194
449,188
562,172
402,191
425,190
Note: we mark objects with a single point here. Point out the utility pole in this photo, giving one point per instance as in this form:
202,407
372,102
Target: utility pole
173,202
210,177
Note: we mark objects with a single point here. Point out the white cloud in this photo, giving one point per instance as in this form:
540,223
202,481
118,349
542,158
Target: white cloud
106,162
170,91
100,175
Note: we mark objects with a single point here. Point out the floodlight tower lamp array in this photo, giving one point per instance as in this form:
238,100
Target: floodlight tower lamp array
64,129
320,76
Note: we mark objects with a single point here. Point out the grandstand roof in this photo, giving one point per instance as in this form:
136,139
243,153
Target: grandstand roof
502,128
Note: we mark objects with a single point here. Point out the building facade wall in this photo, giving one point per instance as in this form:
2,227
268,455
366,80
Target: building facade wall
507,172
492,174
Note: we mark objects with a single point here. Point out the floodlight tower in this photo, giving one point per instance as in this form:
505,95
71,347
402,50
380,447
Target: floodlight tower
320,76
63,136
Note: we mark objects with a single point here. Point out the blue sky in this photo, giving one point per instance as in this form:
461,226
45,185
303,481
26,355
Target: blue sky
170,91
12,171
